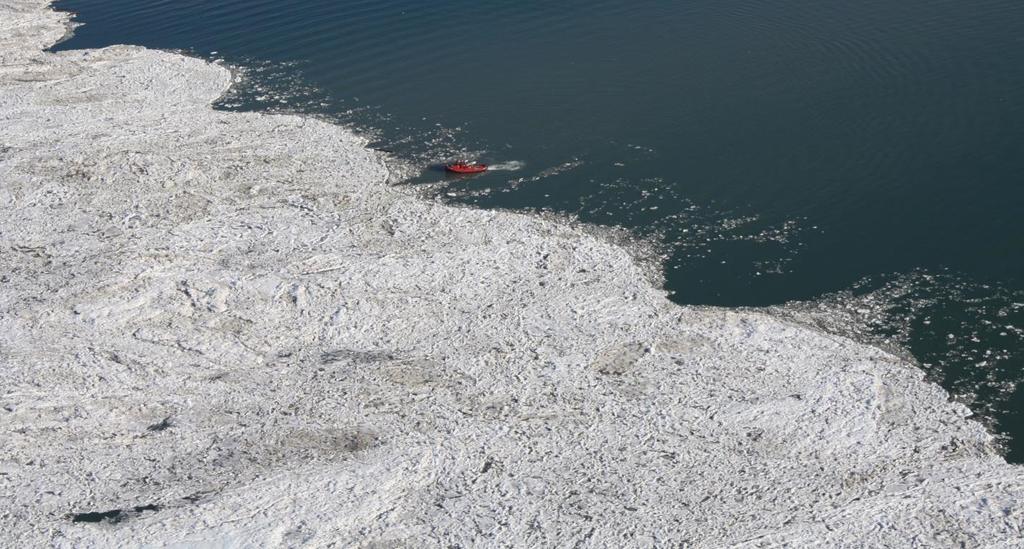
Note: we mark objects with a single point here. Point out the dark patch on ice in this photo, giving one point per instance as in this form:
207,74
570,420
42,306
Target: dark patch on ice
197,497
113,516
359,440
617,362
755,434
164,424
357,357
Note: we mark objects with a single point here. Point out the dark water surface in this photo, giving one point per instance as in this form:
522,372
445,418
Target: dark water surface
865,155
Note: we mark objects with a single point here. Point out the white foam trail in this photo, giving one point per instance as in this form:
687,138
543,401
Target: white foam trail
510,166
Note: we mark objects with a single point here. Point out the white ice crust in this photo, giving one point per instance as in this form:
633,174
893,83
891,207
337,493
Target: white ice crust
232,317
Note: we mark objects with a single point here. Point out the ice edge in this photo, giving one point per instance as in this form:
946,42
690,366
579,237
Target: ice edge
222,328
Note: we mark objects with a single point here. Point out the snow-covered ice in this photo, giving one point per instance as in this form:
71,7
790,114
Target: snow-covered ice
227,329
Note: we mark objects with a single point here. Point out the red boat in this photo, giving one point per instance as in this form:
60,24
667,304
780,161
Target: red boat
466,167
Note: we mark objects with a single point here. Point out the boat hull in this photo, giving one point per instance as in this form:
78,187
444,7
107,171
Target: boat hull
466,168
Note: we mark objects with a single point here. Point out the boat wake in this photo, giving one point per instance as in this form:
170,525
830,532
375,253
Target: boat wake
510,166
